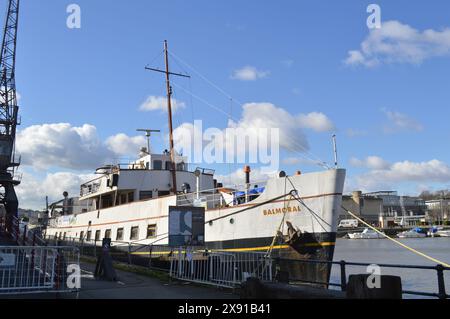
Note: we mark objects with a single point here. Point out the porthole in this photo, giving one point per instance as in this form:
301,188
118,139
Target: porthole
210,223
232,221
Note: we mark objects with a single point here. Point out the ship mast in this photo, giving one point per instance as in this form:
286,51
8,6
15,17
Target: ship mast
167,72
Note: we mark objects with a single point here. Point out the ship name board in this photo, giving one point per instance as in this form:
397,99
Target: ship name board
284,210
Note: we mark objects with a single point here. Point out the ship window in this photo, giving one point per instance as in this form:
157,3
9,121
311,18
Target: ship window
157,165
151,231
108,233
145,195
123,199
134,233
180,167
131,197
81,235
89,236
119,234
97,235
107,201
64,236
56,235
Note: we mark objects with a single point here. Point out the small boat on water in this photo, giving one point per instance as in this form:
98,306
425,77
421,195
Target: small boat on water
438,231
413,233
433,231
366,234
443,233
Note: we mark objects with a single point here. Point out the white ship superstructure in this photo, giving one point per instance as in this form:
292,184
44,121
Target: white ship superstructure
131,204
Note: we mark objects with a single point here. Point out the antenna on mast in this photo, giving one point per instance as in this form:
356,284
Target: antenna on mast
148,134
169,109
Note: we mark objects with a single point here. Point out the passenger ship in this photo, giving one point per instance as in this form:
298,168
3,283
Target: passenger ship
291,216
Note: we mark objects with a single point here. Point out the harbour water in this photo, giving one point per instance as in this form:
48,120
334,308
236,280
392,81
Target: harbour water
386,252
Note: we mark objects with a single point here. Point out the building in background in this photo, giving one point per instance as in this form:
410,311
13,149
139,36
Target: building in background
366,207
439,210
401,210
386,208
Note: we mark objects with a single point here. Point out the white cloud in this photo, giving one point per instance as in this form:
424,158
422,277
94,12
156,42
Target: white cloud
256,116
399,121
32,191
318,122
122,144
423,173
372,162
249,73
61,145
395,42
159,103
65,146
267,115
184,136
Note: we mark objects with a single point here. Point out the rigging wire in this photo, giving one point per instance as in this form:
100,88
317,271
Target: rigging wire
317,160
156,57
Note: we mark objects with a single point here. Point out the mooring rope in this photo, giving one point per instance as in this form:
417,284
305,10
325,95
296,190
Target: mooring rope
415,251
279,229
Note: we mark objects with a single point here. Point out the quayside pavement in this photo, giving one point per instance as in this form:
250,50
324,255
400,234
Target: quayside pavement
133,286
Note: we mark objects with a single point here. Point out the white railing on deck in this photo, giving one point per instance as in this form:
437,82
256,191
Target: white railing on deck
213,198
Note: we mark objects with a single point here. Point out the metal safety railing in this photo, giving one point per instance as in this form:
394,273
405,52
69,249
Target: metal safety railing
37,269
221,269
230,269
196,264
343,270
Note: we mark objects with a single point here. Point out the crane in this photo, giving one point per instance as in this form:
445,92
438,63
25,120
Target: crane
9,114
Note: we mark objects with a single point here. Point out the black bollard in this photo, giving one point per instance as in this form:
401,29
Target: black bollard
390,288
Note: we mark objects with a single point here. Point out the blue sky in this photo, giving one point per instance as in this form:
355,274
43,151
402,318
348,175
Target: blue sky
95,75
